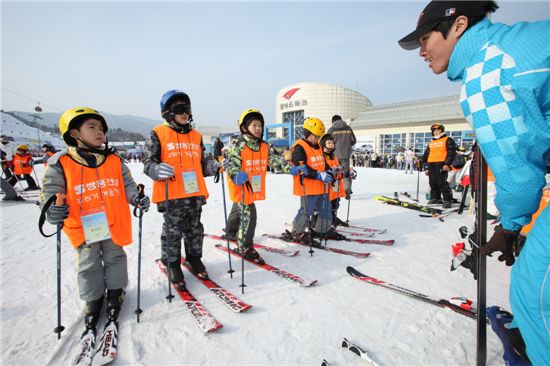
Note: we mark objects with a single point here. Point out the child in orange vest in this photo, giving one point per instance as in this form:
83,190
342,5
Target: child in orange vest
311,181
97,187
175,154
248,159
439,156
23,165
337,187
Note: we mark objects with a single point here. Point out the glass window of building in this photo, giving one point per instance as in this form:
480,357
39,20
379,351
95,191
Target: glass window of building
296,120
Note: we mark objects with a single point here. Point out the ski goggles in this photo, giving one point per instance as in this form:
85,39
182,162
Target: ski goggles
181,109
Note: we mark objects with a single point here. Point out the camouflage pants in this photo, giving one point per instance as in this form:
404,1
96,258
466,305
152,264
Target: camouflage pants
245,230
182,222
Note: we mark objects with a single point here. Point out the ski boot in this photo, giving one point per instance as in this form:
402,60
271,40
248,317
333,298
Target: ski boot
197,266
115,298
175,275
338,222
435,201
229,236
86,345
447,204
91,318
250,254
332,234
290,236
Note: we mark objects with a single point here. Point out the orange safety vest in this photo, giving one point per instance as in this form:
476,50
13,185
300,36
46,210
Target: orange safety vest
438,150
315,160
183,152
336,190
543,204
21,164
253,163
84,197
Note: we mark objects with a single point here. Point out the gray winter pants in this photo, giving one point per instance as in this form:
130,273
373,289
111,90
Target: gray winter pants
101,266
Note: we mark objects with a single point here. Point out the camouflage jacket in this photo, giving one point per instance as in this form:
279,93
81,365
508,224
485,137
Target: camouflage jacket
234,156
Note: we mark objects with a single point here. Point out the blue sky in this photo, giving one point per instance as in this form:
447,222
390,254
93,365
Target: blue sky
121,57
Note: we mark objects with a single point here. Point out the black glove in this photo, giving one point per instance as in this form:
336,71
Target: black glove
142,202
503,241
57,214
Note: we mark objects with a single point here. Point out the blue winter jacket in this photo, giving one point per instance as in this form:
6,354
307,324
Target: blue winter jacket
505,96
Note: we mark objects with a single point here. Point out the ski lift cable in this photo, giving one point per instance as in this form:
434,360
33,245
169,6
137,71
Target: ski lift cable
31,99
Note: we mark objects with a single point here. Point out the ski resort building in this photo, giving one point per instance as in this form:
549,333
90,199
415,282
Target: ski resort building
386,129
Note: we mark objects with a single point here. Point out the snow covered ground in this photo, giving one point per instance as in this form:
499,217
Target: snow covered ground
288,325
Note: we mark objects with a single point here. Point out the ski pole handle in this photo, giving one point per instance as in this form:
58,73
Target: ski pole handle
301,175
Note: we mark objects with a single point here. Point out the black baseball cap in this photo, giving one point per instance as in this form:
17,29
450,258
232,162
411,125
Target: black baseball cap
439,11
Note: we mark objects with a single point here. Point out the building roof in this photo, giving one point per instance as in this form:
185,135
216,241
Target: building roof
425,110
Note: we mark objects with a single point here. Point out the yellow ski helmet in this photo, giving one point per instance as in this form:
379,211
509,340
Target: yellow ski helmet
22,147
247,116
72,117
315,126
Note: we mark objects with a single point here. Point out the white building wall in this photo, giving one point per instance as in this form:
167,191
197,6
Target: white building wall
320,100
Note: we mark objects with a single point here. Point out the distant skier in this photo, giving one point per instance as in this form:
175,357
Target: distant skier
98,188
175,154
7,161
23,165
48,151
505,96
439,155
248,159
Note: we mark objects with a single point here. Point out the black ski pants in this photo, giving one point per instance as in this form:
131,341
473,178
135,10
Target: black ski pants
438,182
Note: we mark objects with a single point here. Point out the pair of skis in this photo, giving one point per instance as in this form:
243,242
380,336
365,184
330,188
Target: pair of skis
105,352
409,205
206,322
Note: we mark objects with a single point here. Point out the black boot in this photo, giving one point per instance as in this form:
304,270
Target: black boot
250,254
197,266
115,298
93,311
334,235
175,275
339,222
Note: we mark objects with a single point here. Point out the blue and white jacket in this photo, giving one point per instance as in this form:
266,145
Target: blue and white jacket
505,96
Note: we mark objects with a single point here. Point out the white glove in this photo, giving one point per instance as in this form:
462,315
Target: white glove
163,171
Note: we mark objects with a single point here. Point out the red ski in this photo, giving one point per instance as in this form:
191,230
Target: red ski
279,272
365,229
328,249
287,253
230,300
206,322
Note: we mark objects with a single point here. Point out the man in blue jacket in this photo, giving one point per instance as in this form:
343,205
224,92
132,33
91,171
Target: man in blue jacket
505,96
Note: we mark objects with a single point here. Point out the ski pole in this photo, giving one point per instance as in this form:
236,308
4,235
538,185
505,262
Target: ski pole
138,212
230,271
243,236
349,202
325,194
307,211
60,200
170,296
35,176
417,181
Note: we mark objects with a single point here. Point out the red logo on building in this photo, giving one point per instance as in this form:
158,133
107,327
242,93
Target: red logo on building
290,93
